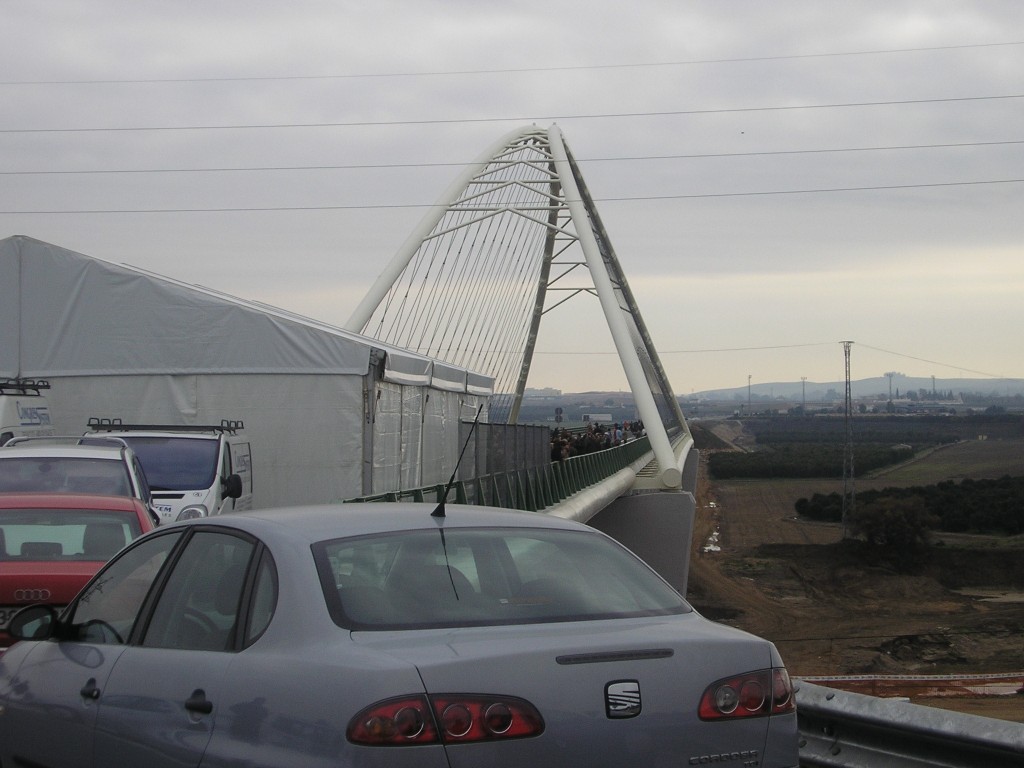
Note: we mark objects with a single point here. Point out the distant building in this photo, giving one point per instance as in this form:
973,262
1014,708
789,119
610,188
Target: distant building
542,392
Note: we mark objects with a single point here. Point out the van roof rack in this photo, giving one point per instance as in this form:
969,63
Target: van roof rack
116,425
23,386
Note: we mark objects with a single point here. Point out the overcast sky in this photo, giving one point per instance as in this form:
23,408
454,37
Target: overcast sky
776,177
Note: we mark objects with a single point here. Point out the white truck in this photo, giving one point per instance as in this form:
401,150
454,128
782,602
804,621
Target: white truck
194,471
24,411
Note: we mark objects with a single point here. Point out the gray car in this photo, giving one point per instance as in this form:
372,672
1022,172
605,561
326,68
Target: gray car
382,635
67,465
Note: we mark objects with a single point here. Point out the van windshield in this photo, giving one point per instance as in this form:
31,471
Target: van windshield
176,463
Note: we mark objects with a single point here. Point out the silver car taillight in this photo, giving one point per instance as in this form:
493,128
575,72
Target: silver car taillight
753,694
448,718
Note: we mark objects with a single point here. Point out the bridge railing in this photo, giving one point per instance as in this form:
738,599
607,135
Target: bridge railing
531,488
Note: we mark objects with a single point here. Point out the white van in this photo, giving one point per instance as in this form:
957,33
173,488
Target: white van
193,471
24,411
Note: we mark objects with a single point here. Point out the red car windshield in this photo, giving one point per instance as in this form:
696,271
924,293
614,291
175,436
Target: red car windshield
64,534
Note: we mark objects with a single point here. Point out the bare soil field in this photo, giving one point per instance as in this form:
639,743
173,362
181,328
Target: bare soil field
833,610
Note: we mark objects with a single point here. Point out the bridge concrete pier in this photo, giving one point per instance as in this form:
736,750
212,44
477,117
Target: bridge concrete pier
657,526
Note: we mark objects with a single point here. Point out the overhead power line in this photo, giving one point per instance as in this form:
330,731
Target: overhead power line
388,206
831,344
511,70
519,119
872,188
701,351
934,362
632,158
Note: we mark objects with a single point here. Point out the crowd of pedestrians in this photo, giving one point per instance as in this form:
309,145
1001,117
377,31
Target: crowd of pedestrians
596,437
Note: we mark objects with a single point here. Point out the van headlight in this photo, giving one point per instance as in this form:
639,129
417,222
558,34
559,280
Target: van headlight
193,513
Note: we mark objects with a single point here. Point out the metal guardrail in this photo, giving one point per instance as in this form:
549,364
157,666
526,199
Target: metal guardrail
852,730
532,489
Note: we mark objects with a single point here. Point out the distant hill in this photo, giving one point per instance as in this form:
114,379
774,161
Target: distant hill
861,388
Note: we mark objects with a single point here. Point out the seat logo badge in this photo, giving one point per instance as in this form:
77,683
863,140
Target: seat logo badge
622,699
31,595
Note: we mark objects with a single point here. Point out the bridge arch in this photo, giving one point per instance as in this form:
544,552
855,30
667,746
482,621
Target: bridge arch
473,281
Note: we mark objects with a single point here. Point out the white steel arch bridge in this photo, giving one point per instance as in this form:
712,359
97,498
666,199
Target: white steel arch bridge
472,283
514,236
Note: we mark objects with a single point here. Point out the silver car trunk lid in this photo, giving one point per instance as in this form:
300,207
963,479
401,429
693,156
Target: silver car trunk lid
610,692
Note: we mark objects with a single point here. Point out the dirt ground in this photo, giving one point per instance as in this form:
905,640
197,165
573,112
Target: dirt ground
833,614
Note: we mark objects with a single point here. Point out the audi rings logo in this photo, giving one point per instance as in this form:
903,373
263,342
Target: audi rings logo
31,595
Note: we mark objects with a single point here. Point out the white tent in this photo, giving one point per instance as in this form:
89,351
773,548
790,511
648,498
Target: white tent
330,414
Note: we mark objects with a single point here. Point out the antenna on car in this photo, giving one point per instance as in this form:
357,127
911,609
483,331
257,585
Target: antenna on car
439,509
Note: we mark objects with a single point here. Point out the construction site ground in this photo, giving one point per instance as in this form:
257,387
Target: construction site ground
948,632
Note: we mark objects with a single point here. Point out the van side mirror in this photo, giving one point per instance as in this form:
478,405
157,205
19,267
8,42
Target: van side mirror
232,487
34,622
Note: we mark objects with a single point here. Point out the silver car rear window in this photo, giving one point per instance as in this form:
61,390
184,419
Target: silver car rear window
60,474
486,576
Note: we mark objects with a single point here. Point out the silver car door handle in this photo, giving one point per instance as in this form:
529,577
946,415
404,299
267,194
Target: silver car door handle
90,690
198,703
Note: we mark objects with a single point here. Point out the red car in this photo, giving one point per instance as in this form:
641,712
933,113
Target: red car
51,544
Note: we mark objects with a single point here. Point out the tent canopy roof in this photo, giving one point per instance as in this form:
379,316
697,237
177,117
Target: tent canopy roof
66,314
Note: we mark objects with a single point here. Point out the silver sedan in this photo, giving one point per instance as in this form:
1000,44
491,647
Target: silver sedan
383,635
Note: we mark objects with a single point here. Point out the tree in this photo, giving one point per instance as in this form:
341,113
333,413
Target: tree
899,525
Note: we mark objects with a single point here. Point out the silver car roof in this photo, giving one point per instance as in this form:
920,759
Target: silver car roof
57,451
